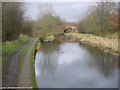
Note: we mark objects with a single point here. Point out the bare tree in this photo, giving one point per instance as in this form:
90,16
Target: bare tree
47,21
45,9
12,19
103,13
96,20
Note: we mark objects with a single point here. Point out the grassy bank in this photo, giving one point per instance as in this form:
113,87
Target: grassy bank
107,44
32,65
22,57
13,46
10,47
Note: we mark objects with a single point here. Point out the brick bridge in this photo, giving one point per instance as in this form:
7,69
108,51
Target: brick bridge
68,27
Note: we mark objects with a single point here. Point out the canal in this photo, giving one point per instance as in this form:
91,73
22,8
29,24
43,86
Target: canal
67,63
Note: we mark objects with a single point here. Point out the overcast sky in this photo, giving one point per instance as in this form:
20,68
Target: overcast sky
69,11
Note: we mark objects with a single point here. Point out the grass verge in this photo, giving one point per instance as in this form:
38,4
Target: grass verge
32,65
13,46
22,56
10,47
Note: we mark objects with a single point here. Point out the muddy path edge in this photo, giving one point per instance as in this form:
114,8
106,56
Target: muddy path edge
10,68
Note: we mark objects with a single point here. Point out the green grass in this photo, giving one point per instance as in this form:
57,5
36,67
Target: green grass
33,67
0,63
22,56
4,58
8,49
0,47
14,46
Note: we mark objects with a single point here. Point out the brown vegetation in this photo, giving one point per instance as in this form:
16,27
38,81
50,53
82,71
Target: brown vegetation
101,21
104,43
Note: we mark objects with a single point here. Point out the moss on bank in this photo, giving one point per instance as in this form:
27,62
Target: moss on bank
33,66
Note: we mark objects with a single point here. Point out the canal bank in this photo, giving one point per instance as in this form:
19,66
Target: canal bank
26,74
32,60
106,44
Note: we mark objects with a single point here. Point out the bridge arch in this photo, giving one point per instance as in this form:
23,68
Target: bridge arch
70,29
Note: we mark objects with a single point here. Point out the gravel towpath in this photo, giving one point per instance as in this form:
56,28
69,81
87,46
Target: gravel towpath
25,77
11,67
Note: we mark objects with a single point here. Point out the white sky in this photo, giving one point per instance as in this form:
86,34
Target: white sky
69,11
58,0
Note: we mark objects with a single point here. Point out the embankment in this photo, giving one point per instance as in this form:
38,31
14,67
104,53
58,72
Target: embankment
110,45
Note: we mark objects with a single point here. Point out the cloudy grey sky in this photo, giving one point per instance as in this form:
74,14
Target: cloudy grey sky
69,11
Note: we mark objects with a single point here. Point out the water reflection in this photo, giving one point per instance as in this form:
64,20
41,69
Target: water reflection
67,38
48,55
105,62
63,64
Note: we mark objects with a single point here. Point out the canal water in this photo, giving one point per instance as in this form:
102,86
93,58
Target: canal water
66,63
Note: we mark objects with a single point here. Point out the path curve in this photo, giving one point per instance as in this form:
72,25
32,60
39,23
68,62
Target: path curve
11,67
25,77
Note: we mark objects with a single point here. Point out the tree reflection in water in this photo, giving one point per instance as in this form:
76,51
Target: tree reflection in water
48,60
57,63
106,63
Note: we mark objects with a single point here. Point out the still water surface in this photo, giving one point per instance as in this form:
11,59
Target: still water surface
67,64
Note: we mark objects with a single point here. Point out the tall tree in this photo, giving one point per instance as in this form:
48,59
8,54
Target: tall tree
114,19
12,19
88,24
47,21
28,25
103,13
98,20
